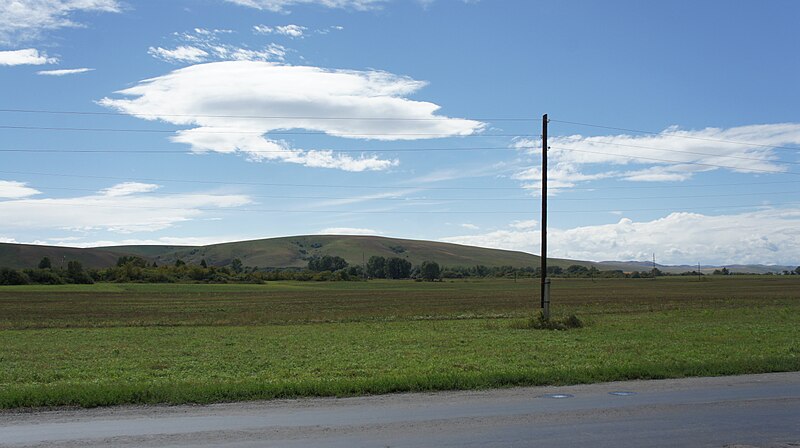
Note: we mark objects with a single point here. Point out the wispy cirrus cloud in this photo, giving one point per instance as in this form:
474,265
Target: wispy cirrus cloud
122,208
27,56
204,45
64,72
348,231
211,97
284,5
22,20
294,31
182,53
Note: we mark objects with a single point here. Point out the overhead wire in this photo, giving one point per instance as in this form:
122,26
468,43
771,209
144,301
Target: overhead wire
277,151
425,212
434,199
170,131
260,117
267,184
356,186
674,134
679,162
652,148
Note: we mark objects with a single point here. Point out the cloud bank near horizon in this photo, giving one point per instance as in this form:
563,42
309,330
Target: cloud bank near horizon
768,236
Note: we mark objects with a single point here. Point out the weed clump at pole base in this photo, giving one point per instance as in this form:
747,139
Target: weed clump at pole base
538,322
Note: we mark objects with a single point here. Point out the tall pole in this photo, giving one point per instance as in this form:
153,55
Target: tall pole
545,280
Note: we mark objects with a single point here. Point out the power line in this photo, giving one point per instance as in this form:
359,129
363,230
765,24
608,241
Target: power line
396,150
417,186
678,161
170,131
278,151
676,135
267,117
266,184
685,209
650,187
392,212
451,199
672,150
382,212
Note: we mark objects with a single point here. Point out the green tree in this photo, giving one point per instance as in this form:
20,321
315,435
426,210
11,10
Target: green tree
326,263
237,266
45,263
376,267
132,260
398,268
203,263
430,270
12,277
797,270
576,270
76,273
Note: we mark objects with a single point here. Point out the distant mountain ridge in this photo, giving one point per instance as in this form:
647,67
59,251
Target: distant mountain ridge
295,251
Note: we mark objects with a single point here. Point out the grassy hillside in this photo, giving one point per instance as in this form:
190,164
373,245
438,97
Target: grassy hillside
295,251
23,256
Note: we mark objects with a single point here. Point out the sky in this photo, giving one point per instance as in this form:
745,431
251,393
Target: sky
674,129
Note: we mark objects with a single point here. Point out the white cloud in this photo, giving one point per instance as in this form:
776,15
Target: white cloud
560,176
293,31
165,240
26,19
282,5
670,156
348,231
208,95
76,241
201,45
121,208
359,199
10,189
64,72
28,56
470,226
128,188
525,224
183,53
769,236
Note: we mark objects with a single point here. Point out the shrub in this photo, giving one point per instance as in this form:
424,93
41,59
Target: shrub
13,277
44,277
538,322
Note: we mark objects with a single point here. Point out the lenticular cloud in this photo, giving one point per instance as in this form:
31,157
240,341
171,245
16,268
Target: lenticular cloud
234,106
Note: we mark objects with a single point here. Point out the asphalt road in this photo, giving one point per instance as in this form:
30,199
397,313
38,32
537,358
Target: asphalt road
750,410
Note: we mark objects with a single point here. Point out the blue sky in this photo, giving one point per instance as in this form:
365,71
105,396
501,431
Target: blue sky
202,121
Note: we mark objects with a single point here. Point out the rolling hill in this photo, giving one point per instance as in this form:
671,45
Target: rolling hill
276,252
296,250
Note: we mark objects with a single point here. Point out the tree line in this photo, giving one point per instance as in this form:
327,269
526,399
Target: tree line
325,268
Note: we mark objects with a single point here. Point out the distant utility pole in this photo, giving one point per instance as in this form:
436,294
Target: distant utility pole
654,265
545,280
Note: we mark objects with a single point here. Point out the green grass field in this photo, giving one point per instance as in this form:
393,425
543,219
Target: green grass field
109,344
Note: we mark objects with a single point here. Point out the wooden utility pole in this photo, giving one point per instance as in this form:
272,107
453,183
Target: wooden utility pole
545,280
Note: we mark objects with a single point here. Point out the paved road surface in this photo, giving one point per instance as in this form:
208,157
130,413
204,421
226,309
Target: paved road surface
751,410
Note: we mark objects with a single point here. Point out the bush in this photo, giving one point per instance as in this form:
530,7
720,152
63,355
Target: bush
13,277
538,322
44,277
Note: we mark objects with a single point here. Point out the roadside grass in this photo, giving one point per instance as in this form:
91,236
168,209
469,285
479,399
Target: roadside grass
121,344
